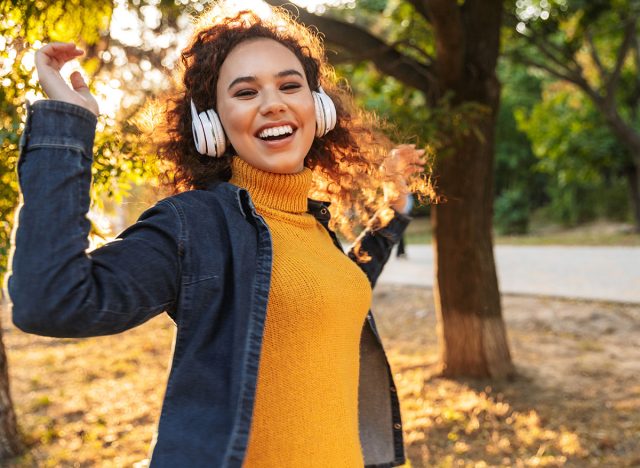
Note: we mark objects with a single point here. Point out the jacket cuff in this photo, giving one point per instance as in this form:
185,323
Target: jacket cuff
58,123
395,228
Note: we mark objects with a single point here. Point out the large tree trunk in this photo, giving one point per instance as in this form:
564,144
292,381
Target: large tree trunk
10,439
470,327
473,339
632,174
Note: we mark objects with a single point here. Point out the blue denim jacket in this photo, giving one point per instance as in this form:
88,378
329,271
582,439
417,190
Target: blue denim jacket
204,257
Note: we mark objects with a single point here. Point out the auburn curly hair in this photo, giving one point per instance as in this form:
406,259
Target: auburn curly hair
347,163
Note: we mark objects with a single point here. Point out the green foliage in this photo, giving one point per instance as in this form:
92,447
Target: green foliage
579,42
512,211
27,21
519,188
118,155
578,152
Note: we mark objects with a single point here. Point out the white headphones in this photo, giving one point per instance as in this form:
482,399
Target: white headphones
210,140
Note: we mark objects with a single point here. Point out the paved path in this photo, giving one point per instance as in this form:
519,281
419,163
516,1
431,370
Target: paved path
606,273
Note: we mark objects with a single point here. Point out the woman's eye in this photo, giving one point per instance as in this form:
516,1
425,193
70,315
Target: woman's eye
290,86
245,93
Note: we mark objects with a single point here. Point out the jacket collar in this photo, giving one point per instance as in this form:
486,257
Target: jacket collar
319,209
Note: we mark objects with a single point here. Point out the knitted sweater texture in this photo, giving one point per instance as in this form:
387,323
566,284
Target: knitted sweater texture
306,405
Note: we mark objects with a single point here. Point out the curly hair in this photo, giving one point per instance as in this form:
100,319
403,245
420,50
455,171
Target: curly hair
347,163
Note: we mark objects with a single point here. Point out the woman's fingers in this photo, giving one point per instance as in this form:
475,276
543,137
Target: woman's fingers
49,61
79,84
56,54
81,88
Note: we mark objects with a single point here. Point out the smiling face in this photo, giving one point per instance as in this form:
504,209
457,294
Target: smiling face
265,106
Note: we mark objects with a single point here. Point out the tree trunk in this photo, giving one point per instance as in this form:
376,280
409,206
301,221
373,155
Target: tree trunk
633,179
473,340
470,327
10,439
630,139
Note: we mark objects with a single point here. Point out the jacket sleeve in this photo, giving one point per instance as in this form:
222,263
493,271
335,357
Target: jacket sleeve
378,244
57,288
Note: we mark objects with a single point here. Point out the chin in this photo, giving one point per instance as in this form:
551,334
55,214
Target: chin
290,169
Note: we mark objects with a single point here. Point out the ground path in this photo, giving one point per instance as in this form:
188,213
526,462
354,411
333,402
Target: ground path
601,273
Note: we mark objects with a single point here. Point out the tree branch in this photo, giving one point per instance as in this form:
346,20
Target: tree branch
543,46
595,57
634,98
405,42
552,51
421,7
577,80
627,41
364,45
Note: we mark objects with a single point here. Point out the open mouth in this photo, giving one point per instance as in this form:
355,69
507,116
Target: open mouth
276,133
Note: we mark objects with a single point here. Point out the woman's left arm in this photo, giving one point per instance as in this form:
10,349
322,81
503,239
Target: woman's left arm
377,244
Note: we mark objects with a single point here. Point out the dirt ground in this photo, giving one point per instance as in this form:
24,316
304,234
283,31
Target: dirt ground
574,403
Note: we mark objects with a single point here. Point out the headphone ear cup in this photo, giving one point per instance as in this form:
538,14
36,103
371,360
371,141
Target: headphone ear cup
218,132
326,115
320,120
208,134
198,130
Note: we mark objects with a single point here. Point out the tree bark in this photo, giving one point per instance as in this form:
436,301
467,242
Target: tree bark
630,139
633,180
472,336
10,438
471,332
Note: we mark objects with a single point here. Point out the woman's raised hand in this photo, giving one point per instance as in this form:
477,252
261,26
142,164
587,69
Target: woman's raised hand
49,60
403,162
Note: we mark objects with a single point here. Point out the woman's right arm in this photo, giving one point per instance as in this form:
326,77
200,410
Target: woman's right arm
56,287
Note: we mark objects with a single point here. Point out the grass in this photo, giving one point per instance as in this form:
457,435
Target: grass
594,234
575,402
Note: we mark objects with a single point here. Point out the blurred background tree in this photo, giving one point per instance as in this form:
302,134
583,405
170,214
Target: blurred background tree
594,47
583,160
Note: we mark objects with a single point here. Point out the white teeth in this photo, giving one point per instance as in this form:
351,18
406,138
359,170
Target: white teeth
276,131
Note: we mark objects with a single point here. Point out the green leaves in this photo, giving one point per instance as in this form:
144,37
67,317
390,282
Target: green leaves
61,20
121,158
583,159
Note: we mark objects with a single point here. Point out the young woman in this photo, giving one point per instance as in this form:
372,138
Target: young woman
277,361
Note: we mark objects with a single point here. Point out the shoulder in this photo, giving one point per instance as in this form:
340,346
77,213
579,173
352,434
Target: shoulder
222,203
195,200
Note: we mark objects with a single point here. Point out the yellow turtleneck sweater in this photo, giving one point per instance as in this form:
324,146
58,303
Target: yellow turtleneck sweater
306,406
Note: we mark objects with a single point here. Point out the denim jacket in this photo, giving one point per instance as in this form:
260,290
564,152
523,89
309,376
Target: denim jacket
204,257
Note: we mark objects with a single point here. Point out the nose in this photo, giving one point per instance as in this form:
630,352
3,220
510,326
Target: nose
272,103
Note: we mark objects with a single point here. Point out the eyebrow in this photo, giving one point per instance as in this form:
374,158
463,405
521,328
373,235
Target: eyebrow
251,79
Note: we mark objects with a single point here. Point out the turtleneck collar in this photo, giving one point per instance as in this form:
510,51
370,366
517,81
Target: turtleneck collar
283,192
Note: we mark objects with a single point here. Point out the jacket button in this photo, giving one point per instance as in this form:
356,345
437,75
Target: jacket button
397,426
393,389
